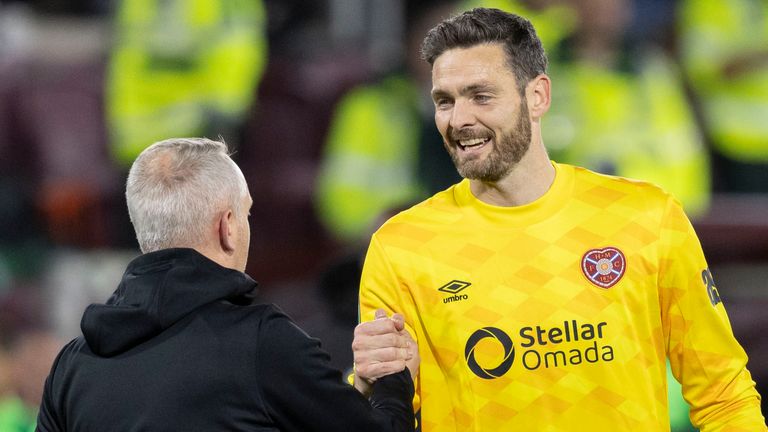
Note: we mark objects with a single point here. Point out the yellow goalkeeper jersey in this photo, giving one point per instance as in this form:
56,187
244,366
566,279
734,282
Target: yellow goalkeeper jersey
559,315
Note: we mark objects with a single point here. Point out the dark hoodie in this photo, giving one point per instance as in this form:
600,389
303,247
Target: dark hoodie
180,346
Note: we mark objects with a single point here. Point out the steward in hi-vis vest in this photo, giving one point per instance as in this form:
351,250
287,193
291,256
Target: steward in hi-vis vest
181,68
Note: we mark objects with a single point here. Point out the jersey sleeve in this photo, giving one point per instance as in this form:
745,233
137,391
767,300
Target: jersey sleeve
703,352
381,288
302,392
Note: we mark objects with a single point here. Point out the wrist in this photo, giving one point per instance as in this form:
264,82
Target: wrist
365,387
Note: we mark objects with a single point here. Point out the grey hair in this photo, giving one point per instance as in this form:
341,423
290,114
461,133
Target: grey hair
177,187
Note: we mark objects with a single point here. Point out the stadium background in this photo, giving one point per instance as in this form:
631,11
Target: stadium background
65,145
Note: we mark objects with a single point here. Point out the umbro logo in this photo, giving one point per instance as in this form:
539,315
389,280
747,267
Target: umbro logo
454,287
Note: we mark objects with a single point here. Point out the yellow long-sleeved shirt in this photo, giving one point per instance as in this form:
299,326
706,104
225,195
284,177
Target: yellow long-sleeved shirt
559,315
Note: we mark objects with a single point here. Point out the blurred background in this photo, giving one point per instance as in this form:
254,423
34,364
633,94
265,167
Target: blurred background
325,104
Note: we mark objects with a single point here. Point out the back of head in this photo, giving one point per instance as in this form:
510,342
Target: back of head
177,187
525,53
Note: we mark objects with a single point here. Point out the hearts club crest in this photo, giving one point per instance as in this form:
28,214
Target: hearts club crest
604,267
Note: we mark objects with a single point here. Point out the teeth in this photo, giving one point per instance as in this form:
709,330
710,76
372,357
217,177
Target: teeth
472,142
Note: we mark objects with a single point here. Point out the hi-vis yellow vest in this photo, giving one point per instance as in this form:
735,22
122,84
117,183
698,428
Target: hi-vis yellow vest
632,125
181,68
724,45
370,158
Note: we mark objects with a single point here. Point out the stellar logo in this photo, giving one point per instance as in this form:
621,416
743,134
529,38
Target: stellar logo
454,287
541,347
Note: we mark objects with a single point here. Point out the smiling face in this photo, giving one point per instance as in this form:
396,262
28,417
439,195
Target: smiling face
480,113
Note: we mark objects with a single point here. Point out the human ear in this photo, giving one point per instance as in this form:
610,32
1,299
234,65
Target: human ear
538,92
226,240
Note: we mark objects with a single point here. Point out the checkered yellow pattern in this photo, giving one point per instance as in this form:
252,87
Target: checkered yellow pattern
581,356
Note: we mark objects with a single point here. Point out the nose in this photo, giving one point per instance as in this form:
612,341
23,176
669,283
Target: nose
462,114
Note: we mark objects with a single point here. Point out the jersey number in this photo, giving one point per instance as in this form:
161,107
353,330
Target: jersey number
714,296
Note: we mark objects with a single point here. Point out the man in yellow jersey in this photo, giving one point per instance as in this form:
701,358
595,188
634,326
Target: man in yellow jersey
543,296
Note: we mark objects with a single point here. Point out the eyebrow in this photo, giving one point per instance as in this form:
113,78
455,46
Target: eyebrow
469,89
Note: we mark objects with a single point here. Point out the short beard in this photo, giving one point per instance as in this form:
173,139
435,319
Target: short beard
508,151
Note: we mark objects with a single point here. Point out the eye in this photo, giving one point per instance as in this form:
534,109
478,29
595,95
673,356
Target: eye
482,98
443,103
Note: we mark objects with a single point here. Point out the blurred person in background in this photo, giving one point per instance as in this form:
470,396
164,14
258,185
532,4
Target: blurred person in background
380,148
621,109
724,48
544,294
180,345
182,68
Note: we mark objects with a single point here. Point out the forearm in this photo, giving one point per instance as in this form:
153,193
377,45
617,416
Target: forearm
737,413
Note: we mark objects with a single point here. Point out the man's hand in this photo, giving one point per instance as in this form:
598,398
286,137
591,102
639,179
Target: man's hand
382,347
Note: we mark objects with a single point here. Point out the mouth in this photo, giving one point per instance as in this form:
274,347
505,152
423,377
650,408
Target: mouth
474,144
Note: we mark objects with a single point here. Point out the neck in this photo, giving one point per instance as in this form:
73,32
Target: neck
215,254
528,181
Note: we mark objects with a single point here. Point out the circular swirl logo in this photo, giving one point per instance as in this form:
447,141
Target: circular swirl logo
499,336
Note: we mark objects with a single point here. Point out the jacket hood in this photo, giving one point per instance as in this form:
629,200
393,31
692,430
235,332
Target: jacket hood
158,289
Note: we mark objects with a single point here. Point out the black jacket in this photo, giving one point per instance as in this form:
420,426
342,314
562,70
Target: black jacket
180,346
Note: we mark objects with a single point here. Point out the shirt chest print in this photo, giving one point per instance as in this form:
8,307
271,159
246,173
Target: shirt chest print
605,267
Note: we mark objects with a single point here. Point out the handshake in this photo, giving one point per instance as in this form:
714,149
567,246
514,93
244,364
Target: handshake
382,347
